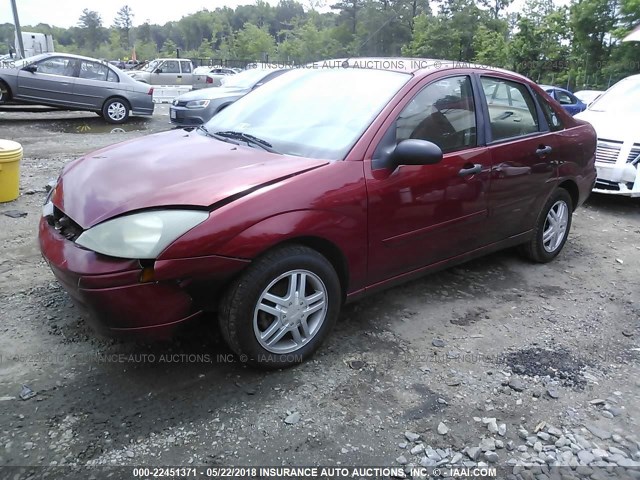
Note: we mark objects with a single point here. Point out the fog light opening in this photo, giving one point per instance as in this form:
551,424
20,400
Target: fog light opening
148,274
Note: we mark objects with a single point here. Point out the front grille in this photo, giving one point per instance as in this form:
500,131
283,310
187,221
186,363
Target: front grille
607,185
634,154
64,225
607,151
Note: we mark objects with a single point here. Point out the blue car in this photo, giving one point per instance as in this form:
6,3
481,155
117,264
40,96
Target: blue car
565,98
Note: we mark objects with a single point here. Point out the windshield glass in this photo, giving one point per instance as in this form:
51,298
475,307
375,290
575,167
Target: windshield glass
624,96
245,79
151,66
312,113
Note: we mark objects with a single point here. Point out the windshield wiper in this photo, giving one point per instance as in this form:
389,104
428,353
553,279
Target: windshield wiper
250,139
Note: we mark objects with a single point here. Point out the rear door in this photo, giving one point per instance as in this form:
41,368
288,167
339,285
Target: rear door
523,155
94,84
52,82
422,214
186,75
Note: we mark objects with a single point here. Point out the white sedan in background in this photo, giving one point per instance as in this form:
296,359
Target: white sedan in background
616,117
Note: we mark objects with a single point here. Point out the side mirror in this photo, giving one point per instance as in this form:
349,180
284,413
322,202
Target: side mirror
259,84
158,70
32,67
416,152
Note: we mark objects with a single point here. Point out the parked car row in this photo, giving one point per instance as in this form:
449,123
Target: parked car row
77,83
318,187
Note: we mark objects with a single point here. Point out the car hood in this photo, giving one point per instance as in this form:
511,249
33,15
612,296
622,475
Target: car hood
612,125
212,93
176,168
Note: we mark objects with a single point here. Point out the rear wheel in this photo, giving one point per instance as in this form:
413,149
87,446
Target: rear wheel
282,308
116,110
552,228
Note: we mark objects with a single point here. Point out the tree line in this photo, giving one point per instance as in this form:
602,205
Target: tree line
576,45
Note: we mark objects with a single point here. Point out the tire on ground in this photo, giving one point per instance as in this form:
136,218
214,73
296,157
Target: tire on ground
551,229
241,323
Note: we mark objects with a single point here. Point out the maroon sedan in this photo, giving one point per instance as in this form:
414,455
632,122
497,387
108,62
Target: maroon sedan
322,186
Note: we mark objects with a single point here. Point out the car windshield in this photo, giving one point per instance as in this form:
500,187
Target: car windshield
312,113
246,79
151,66
624,96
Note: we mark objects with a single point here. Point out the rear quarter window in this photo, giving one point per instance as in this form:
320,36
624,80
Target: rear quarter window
553,120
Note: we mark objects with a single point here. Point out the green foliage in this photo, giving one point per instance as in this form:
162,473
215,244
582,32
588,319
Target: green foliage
577,45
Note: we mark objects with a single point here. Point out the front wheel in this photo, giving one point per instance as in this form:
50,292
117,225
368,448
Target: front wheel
5,93
116,110
281,308
552,228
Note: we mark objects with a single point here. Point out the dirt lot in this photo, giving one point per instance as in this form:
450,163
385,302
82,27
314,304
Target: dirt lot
421,375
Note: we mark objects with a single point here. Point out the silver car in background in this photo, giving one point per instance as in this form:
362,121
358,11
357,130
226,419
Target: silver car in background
198,106
73,82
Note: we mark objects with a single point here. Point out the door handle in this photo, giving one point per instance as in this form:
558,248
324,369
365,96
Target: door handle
543,150
477,168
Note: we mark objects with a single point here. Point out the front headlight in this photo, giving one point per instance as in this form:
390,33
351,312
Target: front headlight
197,104
140,235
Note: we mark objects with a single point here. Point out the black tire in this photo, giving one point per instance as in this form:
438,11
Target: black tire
240,320
539,250
5,93
116,110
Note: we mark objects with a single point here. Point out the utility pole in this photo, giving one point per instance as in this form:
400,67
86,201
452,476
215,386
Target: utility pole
16,22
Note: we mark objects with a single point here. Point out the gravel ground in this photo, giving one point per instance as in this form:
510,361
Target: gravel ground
532,369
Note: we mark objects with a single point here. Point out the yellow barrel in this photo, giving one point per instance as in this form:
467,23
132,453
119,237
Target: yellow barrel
10,156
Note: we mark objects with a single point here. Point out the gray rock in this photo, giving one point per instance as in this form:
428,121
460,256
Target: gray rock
292,419
583,442
499,444
492,426
627,462
402,460
606,414
522,448
553,392
487,444
491,457
456,458
130,454
544,436
616,411
515,384
510,445
585,457
502,429
403,445
617,438
617,451
442,429
598,432
427,462
432,454
437,342
412,437
537,446
417,449
474,453
599,453
556,432
523,434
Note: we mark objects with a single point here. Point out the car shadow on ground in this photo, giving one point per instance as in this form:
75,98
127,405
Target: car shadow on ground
613,203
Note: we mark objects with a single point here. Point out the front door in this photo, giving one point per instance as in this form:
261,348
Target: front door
51,83
167,73
421,215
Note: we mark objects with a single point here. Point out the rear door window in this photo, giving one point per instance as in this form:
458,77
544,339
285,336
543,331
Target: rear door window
512,111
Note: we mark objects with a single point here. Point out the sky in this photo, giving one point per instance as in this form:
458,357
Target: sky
65,13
